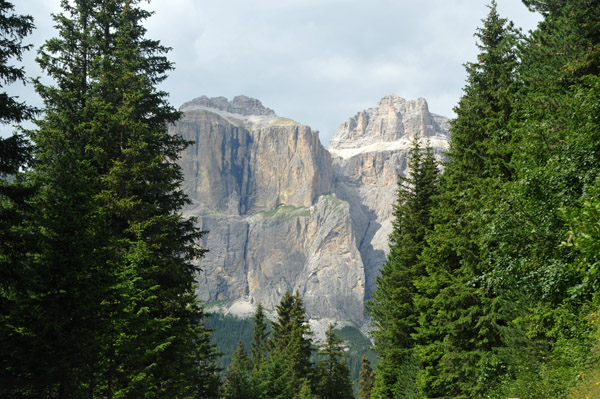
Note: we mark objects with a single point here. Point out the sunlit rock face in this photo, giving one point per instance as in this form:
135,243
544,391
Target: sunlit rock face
284,213
369,153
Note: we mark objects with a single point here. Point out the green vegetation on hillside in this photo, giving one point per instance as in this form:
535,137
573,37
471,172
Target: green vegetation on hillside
495,293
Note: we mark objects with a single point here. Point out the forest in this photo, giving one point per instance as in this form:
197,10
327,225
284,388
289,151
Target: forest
490,288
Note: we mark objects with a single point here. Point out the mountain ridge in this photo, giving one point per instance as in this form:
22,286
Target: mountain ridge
285,213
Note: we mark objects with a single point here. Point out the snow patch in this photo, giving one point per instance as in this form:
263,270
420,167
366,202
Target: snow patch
240,308
403,144
253,121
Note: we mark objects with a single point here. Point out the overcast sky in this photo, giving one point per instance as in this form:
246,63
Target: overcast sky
315,61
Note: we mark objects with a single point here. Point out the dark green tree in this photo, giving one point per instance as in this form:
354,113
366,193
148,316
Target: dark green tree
16,238
238,384
392,307
461,320
366,379
290,350
260,337
332,376
114,279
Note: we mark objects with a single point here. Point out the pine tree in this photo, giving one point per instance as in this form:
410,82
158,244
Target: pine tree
332,373
16,238
115,278
260,337
366,379
290,349
392,307
237,384
461,320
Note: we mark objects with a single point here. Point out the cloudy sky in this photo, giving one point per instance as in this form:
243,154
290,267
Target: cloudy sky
316,61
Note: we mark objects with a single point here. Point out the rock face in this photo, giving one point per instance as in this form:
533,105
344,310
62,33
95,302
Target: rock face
284,213
262,186
369,153
251,160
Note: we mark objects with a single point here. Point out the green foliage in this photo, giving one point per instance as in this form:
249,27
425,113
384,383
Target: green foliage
508,259
357,346
260,337
17,238
291,340
366,379
332,376
237,384
228,331
393,304
110,295
461,321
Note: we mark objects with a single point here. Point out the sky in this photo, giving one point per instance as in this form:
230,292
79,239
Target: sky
318,62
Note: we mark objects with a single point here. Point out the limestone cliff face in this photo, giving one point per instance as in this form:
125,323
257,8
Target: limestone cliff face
284,213
369,153
246,159
262,186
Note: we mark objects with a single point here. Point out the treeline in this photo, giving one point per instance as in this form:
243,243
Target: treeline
280,361
490,289
228,331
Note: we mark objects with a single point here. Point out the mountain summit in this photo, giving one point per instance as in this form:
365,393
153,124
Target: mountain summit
284,213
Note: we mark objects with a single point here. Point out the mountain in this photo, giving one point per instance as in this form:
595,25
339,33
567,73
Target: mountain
369,153
285,213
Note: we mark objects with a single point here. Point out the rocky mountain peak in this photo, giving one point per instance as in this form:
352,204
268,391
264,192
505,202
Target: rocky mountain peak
390,125
240,105
286,214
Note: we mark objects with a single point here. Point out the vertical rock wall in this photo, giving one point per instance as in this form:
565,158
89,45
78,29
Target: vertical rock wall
284,213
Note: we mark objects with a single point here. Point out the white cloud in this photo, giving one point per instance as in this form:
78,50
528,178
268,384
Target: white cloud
316,61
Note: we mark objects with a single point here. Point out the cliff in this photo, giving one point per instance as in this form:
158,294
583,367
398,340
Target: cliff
369,153
284,213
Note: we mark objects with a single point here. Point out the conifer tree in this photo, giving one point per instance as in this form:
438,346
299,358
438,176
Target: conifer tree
260,337
332,374
114,277
290,349
366,379
393,307
237,384
16,238
461,320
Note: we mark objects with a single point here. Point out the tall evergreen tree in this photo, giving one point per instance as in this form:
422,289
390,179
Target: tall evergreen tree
366,379
290,349
260,337
332,374
393,307
237,384
16,239
461,321
113,286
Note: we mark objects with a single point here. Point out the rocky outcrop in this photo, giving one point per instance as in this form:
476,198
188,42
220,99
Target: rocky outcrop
369,153
284,213
262,186
243,163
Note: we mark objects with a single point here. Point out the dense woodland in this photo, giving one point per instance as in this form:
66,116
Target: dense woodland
489,290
